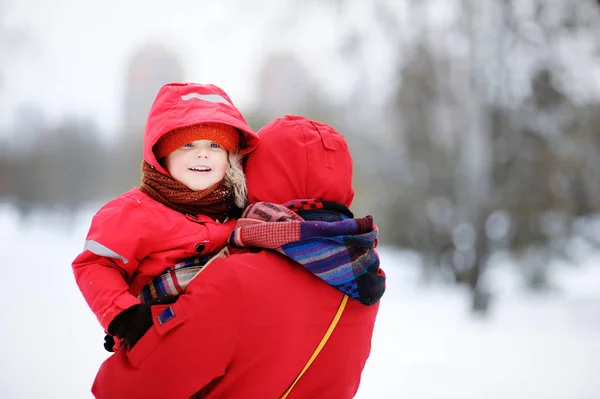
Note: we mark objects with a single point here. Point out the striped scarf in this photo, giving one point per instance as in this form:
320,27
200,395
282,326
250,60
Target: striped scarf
321,236
173,280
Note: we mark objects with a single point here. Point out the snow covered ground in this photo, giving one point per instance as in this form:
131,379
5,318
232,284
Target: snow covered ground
426,344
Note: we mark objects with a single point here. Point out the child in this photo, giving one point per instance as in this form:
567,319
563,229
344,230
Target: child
192,188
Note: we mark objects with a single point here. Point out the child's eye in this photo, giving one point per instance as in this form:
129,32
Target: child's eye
214,145
189,145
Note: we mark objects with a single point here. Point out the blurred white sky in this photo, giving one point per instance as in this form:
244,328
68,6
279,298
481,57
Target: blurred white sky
77,52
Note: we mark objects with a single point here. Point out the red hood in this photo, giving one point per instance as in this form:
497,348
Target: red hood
186,104
299,159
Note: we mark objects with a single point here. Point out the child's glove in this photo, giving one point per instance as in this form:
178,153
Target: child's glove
131,324
109,343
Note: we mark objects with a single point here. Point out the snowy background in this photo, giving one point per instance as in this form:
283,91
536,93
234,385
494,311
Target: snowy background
426,343
475,130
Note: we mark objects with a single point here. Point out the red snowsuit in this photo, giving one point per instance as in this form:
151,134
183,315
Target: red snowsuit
134,238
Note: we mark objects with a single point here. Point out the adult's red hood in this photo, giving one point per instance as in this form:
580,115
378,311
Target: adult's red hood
299,158
185,104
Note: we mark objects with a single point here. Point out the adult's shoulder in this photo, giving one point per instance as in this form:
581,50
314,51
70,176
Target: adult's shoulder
255,260
255,270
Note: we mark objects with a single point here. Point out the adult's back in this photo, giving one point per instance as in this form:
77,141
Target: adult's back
248,323
284,313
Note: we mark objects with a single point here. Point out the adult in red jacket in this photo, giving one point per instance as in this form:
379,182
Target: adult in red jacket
248,324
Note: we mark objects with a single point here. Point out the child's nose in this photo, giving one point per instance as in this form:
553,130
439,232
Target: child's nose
202,152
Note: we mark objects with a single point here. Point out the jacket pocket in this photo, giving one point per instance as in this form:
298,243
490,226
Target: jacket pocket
165,319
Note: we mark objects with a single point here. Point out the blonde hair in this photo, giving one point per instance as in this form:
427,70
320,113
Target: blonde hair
235,179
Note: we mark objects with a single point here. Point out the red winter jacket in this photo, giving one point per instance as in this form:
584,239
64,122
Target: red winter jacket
247,324
134,238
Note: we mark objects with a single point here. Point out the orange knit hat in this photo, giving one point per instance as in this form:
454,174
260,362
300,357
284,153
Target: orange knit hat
224,135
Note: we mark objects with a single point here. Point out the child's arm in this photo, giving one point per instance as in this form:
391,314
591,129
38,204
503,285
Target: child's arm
198,339
110,256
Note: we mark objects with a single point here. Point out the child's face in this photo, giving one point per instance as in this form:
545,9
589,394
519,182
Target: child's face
198,164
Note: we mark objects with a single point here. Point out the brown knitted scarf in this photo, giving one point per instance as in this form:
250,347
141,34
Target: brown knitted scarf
217,202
